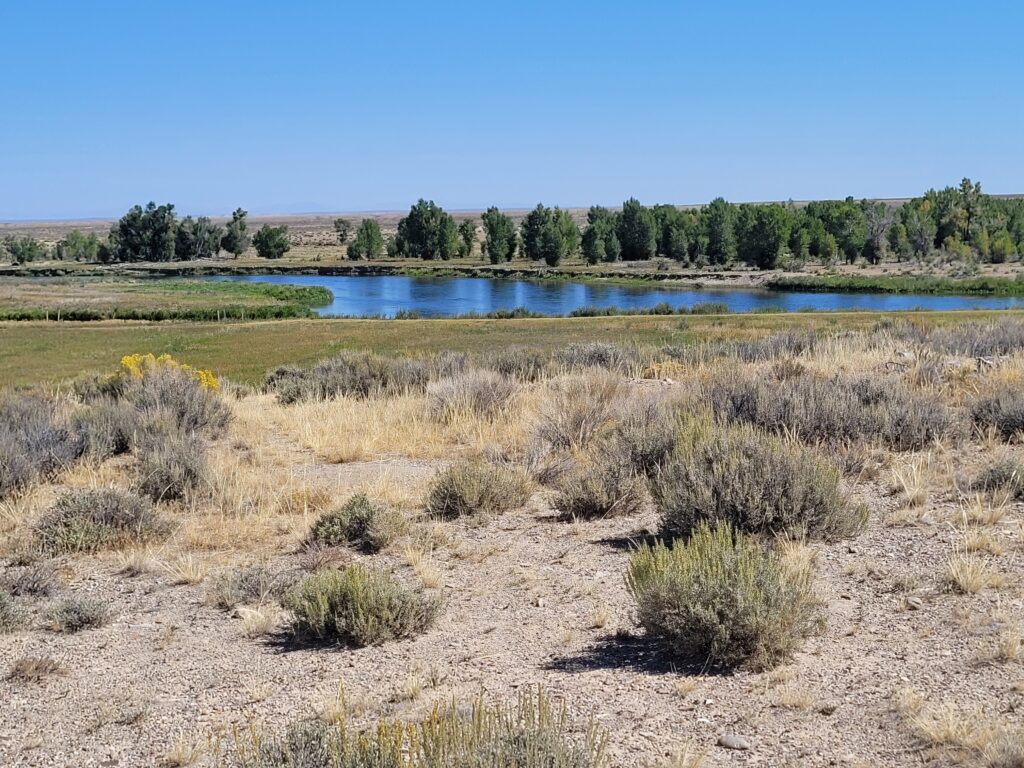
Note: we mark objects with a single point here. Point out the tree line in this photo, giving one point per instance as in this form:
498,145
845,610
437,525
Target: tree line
961,222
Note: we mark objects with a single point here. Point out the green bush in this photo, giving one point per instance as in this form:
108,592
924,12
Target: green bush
169,463
468,488
754,482
73,614
720,597
1002,409
358,523
360,606
532,733
87,520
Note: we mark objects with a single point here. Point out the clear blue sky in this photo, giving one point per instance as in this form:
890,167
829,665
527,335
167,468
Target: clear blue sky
326,106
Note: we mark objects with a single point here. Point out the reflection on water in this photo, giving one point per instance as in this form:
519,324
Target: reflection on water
446,296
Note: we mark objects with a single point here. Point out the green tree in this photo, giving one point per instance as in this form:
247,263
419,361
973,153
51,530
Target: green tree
637,231
22,249
878,218
368,242
467,237
570,232
598,234
144,234
197,239
612,247
500,236
271,242
718,223
236,235
77,246
533,232
428,232
553,242
1003,248
344,228
769,234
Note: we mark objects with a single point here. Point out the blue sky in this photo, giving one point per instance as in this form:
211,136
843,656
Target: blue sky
327,106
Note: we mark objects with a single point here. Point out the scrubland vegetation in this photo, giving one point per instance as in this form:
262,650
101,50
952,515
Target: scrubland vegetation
567,554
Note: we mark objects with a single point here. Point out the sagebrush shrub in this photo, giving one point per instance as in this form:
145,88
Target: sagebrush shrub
531,733
36,580
834,411
108,427
87,520
1006,475
598,354
720,597
170,463
251,585
11,617
518,363
754,482
359,523
643,432
1003,409
355,374
575,407
602,484
34,441
476,392
360,606
468,488
75,613
173,393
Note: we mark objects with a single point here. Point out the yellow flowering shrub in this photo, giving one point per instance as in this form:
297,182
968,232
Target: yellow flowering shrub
136,366
666,369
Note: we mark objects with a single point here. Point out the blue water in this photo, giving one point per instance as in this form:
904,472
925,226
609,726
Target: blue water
446,296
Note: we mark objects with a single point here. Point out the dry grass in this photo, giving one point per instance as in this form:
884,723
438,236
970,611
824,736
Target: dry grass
969,574
186,569
184,751
259,620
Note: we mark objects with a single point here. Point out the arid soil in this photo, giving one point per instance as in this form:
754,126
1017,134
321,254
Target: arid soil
530,600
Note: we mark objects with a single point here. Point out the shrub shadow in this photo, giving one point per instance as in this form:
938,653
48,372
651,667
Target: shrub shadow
631,651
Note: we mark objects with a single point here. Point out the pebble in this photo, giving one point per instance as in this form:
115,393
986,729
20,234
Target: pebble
733,741
914,603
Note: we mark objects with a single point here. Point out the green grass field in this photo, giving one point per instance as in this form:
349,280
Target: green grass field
33,352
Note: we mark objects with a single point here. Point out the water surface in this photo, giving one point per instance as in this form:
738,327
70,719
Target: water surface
447,296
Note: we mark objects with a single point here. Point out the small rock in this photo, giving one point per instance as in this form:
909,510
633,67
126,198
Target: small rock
914,603
539,602
733,741
827,708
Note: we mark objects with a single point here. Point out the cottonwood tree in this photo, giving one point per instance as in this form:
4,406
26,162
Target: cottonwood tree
368,242
467,237
637,231
718,221
77,246
428,232
344,228
271,242
236,234
143,234
499,236
197,238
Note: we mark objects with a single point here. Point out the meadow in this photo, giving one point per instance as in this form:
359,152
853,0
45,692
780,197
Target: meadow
713,540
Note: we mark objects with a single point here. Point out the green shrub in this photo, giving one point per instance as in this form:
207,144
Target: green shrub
36,580
11,617
87,520
169,463
1005,475
73,614
468,488
532,733
358,523
754,482
720,597
479,393
360,606
1002,409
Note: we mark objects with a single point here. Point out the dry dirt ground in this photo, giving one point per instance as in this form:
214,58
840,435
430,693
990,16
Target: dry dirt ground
529,600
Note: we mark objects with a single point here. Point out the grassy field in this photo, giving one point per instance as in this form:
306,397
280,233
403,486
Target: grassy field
83,298
37,351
